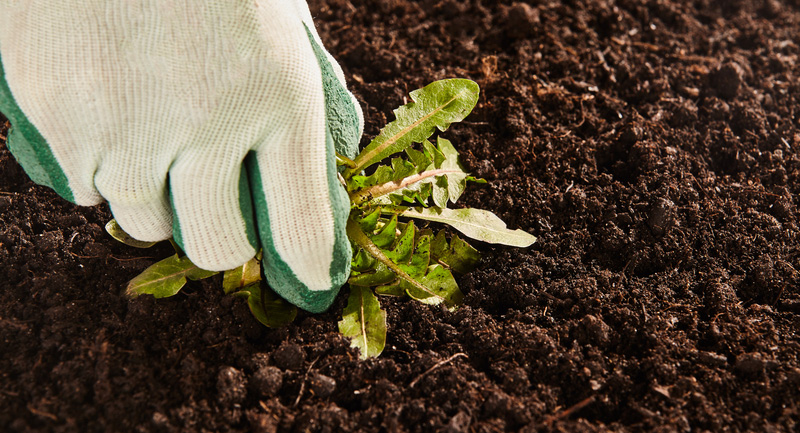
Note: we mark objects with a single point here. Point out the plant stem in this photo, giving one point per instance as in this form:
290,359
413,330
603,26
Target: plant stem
358,236
364,195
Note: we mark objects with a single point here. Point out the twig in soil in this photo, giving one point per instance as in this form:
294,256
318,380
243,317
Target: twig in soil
303,383
438,364
570,410
42,413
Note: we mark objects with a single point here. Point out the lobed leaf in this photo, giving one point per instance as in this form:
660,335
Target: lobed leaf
458,255
440,287
364,322
403,266
436,105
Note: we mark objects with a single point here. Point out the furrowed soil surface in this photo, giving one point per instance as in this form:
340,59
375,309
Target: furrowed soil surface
652,146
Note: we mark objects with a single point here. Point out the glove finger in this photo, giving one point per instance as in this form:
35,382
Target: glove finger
33,153
301,210
211,202
345,118
135,188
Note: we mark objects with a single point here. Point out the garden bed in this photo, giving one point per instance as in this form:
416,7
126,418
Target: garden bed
651,146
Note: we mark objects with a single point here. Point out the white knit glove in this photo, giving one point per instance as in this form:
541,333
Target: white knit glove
192,118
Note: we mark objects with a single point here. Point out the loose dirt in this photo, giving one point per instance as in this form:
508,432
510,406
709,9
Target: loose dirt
652,146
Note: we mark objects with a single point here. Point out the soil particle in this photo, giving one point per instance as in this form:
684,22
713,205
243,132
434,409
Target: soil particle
231,386
289,357
267,381
322,386
727,79
653,149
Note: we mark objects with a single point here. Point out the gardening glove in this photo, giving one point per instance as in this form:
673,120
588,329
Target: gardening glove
212,121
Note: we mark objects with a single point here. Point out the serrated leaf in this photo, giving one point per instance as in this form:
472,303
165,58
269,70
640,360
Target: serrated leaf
436,105
475,223
370,221
165,278
440,285
380,275
236,279
362,262
442,178
458,255
442,289
401,169
457,179
418,158
116,232
364,322
421,258
388,233
266,306
402,249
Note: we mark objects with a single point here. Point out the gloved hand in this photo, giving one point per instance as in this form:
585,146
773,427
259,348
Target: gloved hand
213,121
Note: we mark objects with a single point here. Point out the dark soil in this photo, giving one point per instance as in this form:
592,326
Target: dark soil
652,146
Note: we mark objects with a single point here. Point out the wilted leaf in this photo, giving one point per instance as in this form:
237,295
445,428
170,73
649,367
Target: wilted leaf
117,233
476,223
364,322
166,278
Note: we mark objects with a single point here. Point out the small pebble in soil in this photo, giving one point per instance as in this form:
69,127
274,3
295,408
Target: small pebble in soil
322,386
727,79
659,216
750,364
267,381
231,386
459,423
523,20
592,330
289,357
258,360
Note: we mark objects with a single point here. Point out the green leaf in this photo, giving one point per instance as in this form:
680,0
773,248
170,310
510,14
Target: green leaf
117,233
362,262
387,234
401,253
376,277
165,278
436,105
408,274
456,180
459,256
440,285
476,223
393,289
370,221
434,172
267,307
418,264
243,276
364,322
